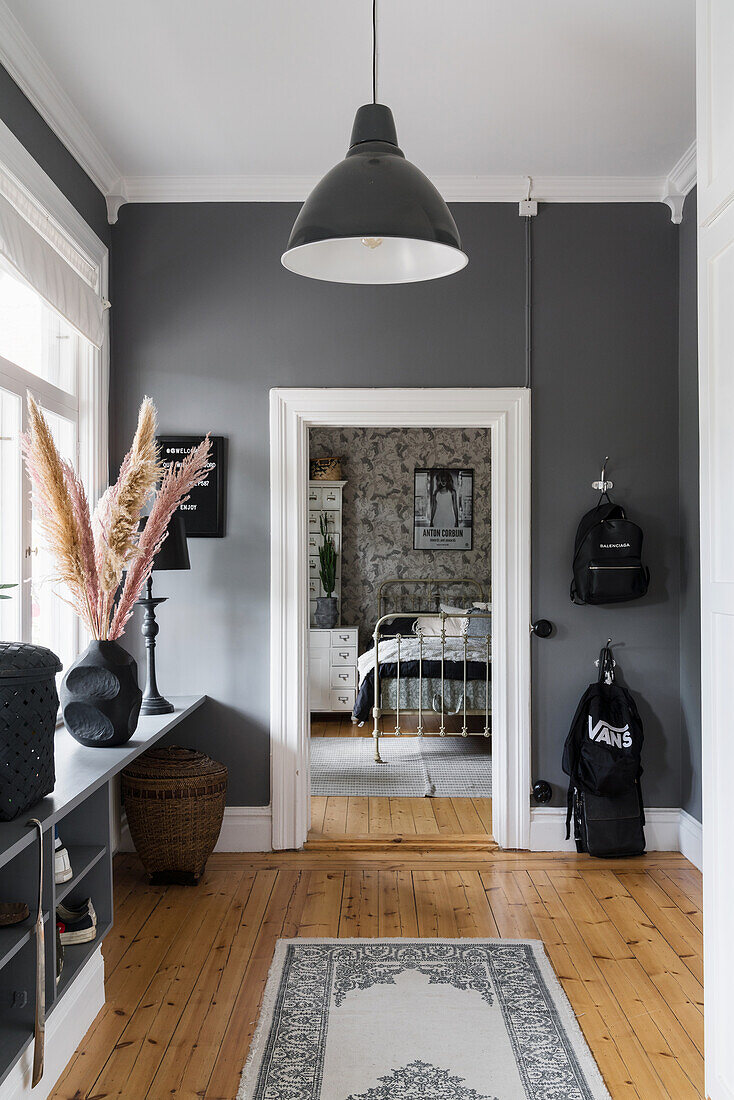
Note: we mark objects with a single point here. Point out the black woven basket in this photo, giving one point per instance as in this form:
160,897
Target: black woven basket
28,708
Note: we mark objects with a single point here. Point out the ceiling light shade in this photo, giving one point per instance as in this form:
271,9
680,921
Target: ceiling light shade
374,218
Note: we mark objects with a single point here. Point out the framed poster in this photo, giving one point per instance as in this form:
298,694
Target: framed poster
203,512
443,505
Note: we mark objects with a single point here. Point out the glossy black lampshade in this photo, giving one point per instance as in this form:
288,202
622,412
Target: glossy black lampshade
374,218
174,553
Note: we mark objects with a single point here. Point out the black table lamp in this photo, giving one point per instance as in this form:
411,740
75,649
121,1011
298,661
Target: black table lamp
173,554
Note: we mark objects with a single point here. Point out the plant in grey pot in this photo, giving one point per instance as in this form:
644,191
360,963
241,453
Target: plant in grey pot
102,562
327,611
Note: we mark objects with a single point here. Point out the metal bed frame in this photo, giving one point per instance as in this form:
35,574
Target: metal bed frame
428,593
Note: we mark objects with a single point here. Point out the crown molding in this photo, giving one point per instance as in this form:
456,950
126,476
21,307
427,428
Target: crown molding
670,189
34,78
680,180
682,175
454,188
218,188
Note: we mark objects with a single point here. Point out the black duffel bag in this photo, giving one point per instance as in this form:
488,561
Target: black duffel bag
602,757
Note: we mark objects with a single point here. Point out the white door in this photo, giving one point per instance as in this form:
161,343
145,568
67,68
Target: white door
715,96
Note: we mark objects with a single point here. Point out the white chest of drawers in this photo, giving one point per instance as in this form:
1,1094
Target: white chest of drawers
324,498
332,669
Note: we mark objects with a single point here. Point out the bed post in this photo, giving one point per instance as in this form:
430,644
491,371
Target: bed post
376,701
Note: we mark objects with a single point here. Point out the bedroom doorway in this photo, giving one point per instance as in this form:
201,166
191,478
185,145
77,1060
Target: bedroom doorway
476,703
400,536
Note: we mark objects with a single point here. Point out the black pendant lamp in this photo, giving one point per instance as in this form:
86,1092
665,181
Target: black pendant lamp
374,218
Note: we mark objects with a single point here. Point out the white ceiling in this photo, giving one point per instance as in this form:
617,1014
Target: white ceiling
180,96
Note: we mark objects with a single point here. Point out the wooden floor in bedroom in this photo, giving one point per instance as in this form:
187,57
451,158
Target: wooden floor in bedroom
454,823
186,967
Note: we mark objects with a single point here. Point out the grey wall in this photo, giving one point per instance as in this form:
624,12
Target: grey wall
605,382
690,602
378,465
207,320
57,162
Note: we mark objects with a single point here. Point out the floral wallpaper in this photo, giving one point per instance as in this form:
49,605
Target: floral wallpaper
377,519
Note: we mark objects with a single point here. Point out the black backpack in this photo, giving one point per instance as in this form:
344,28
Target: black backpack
607,565
602,757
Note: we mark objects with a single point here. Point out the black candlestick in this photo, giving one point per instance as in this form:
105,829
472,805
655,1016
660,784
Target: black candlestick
153,701
173,554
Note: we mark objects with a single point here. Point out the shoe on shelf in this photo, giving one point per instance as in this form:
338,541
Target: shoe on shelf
76,923
62,863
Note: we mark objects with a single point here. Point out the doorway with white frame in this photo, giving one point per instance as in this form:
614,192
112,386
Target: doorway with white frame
506,413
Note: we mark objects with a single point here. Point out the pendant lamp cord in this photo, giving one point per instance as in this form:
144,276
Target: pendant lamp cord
374,51
528,303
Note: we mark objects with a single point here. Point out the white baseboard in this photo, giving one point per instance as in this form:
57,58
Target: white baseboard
666,830
66,1026
691,839
244,829
548,830
662,830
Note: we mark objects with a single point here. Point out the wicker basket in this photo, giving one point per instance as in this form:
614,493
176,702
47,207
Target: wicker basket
28,706
326,469
174,799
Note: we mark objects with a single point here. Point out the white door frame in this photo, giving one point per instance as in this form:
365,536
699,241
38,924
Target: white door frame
715,201
507,413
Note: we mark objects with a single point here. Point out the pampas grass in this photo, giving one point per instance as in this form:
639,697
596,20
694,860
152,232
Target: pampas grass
177,483
51,475
92,553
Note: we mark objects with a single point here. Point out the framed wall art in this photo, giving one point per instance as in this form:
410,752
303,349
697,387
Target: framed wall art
204,511
443,506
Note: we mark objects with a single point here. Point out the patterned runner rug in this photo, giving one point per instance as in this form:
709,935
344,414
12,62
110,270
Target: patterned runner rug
448,767
417,1020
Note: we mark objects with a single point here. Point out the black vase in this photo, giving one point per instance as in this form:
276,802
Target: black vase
327,611
100,697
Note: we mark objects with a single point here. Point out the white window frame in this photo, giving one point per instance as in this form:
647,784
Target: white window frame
90,406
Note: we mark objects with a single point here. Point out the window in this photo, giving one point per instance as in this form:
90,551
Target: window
48,351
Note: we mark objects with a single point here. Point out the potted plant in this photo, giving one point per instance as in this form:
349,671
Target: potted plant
2,594
103,560
327,611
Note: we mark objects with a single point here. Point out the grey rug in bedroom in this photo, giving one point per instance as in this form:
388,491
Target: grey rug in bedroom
414,767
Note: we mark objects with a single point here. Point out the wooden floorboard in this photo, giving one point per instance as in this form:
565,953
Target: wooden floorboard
342,822
185,968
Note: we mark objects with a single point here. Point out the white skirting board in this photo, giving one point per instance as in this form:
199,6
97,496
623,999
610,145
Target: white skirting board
666,830
691,839
66,1026
244,829
248,829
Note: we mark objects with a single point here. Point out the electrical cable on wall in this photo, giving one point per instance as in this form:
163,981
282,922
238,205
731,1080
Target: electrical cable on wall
528,301
374,51
528,208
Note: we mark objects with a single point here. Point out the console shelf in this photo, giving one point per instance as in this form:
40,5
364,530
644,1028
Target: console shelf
80,807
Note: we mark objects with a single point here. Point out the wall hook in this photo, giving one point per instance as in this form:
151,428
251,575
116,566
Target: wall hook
608,678
603,485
